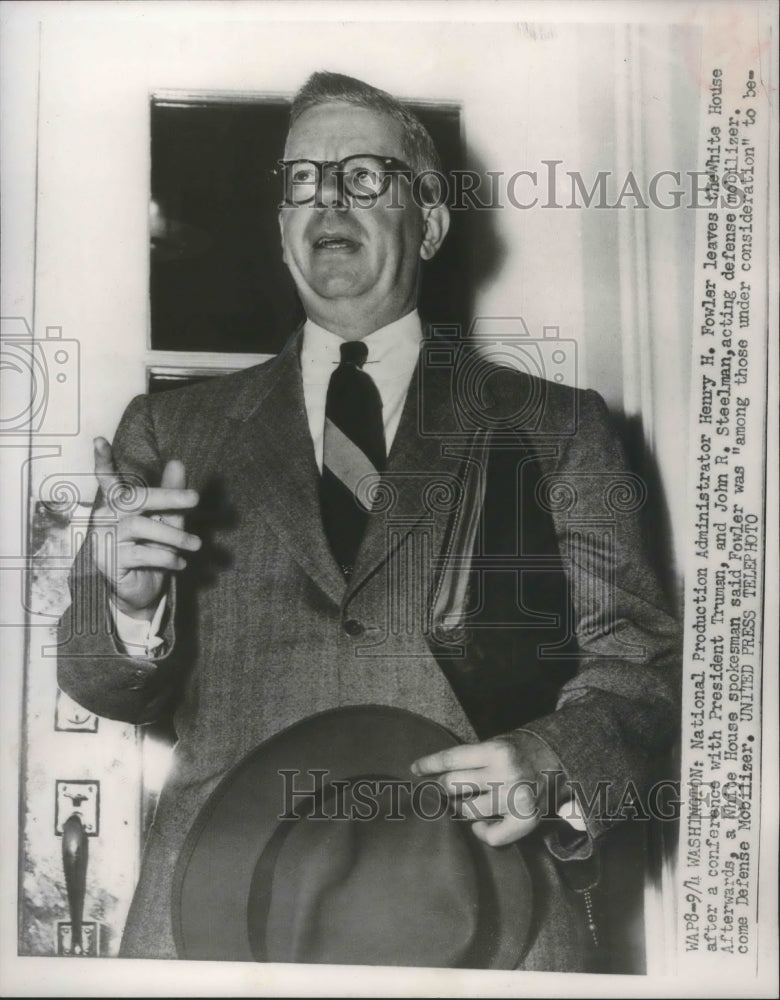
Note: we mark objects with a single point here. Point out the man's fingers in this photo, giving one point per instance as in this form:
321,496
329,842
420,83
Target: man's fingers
506,830
152,557
174,477
105,471
156,529
469,755
169,497
481,807
161,500
460,783
517,800
126,503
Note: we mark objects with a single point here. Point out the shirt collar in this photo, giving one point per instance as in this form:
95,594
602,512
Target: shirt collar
392,350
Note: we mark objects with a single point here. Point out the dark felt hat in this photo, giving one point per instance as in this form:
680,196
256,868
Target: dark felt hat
320,846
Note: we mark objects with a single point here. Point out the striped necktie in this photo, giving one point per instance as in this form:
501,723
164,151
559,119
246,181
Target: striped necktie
353,449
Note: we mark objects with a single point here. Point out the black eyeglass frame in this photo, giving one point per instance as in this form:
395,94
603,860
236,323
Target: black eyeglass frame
391,167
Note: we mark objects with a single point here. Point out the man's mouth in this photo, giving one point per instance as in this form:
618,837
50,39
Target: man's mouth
343,243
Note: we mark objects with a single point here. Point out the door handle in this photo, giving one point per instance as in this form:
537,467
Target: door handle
75,854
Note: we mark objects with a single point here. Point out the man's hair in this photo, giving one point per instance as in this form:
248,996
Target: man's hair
326,88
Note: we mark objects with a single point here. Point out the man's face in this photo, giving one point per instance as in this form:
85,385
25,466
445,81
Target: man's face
355,267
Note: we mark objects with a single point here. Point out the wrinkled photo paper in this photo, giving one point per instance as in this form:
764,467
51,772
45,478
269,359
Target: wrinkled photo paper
611,175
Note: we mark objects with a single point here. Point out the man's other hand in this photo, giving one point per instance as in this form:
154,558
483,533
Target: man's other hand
503,784
136,545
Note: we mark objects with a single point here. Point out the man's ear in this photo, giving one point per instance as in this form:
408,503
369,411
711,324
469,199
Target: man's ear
436,222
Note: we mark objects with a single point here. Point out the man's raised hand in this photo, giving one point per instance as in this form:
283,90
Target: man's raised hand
138,535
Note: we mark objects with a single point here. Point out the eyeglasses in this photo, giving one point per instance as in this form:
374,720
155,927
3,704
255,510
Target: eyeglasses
361,178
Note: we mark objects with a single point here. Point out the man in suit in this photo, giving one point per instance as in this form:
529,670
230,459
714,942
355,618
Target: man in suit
266,567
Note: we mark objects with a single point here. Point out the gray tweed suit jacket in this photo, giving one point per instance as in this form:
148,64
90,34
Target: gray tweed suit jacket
264,630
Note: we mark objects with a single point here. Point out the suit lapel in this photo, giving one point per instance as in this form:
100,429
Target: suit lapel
279,474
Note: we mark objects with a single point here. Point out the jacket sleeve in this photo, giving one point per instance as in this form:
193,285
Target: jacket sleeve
617,716
91,667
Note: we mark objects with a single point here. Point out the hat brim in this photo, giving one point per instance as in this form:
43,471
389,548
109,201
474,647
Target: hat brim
215,869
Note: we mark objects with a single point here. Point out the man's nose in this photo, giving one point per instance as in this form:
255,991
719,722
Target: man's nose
331,193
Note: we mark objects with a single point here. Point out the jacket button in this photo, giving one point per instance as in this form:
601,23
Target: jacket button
353,627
